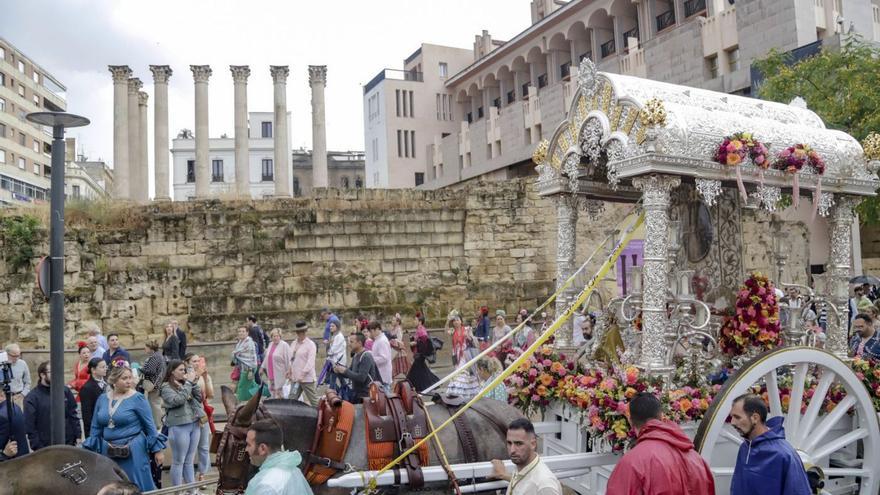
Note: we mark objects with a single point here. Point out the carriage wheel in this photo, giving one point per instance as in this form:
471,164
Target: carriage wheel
846,446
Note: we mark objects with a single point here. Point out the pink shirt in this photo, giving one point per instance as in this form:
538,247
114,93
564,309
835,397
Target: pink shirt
303,368
382,356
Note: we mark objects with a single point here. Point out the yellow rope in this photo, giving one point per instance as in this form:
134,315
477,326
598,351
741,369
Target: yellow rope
461,369
582,297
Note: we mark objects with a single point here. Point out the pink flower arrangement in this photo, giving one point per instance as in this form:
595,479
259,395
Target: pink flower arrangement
735,149
756,319
536,383
794,158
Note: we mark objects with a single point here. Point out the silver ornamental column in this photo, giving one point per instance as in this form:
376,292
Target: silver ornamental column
120,73
656,199
161,74
840,271
201,73
566,239
282,153
240,74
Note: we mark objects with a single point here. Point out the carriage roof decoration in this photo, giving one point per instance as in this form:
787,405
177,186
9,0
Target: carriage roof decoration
627,139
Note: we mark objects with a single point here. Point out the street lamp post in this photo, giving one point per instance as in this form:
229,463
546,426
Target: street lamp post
58,121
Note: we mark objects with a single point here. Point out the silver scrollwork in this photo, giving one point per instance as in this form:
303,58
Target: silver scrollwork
826,201
709,190
587,76
571,168
593,208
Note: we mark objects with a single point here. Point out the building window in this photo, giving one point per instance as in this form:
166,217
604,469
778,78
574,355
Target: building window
397,102
36,146
47,171
190,171
268,170
37,168
444,69
733,59
358,182
36,77
36,100
21,90
525,90
712,65
2,156
399,143
22,164
420,178
375,148
22,139
296,190
565,71
479,113
216,170
266,129
412,137
542,81
76,193
470,118
2,79
2,53
2,105
344,182
406,144
447,111
496,102
412,105
20,65
511,96
438,107
2,130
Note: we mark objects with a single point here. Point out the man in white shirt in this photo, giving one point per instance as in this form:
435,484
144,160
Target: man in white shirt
532,476
381,353
20,384
97,350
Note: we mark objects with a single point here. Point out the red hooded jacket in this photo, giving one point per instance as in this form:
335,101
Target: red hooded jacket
663,462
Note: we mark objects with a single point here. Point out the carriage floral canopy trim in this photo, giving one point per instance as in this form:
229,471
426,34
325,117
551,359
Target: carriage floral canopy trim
621,126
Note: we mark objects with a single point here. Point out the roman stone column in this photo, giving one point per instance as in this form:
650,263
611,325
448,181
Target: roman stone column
120,73
240,74
282,154
161,74
317,81
134,136
656,199
839,272
201,73
566,240
141,177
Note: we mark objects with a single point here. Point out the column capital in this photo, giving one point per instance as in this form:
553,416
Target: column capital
142,98
317,75
161,73
279,73
201,73
134,86
120,73
656,187
240,73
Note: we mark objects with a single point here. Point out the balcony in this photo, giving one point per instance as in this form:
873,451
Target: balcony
396,75
632,33
694,7
665,20
608,48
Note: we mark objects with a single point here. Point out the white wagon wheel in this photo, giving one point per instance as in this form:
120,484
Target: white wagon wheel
852,441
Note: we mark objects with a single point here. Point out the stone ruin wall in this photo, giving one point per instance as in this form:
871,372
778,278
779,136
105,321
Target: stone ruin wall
211,263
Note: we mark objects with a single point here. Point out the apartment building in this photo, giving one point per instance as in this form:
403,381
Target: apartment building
512,94
345,168
25,148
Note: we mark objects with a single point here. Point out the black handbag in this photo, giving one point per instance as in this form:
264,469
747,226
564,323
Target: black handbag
118,451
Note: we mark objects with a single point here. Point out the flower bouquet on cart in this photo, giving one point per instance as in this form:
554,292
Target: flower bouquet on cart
754,326
739,147
792,160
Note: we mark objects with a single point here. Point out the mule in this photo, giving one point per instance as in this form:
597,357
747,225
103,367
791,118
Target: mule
59,469
487,423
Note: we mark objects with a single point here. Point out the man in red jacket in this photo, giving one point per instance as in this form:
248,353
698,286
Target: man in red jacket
663,461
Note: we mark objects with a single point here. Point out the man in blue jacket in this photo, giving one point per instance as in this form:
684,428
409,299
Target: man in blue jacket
766,463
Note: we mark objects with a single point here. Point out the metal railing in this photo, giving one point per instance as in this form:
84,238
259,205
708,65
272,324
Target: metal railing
632,33
694,7
187,488
665,20
608,48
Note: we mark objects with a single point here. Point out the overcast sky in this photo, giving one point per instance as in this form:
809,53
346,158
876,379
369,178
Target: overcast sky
76,40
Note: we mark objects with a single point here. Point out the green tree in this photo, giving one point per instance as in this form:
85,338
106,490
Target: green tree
841,85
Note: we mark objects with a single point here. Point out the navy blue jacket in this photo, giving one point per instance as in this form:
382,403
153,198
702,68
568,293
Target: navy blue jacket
17,433
483,329
38,418
769,465
120,353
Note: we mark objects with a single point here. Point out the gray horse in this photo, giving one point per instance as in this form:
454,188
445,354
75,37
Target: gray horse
59,469
298,421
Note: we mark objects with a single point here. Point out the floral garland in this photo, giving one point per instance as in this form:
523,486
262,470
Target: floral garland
756,319
735,149
536,382
791,160
868,371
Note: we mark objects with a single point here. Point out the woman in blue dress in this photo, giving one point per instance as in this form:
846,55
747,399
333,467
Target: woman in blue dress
122,419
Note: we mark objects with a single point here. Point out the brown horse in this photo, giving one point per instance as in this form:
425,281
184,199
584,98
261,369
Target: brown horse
59,469
298,421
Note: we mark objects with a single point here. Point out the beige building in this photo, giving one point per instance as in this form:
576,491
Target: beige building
510,95
25,148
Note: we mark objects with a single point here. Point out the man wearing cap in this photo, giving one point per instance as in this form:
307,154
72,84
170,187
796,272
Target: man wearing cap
302,370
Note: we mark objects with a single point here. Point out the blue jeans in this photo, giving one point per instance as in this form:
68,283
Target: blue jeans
184,442
204,448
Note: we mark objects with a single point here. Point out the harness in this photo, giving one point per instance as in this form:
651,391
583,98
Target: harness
333,434
394,423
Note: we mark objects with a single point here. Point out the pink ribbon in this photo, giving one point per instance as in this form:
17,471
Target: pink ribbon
795,191
817,195
739,183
